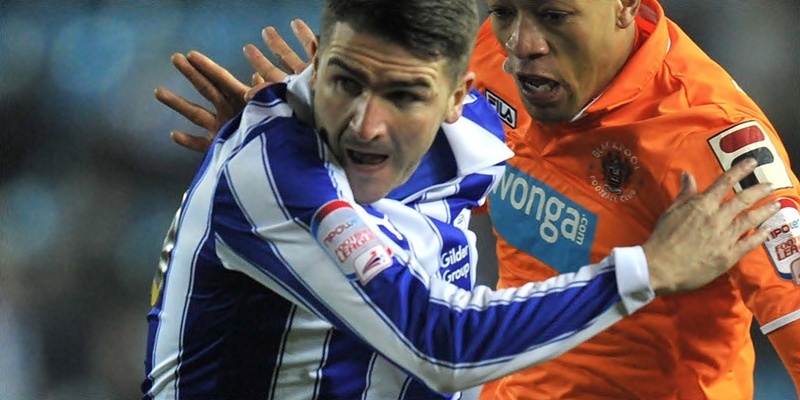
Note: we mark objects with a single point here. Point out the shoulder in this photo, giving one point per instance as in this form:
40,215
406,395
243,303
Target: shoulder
478,110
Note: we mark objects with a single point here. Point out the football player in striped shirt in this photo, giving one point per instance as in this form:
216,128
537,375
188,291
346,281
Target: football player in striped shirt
322,249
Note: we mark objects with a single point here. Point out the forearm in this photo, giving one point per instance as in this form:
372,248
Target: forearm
456,339
449,338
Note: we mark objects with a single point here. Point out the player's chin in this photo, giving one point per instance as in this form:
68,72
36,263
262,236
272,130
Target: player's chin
369,190
550,115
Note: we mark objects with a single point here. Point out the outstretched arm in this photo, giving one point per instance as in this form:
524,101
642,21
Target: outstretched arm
454,339
450,338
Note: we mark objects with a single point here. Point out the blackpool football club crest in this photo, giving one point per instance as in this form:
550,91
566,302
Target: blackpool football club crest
612,172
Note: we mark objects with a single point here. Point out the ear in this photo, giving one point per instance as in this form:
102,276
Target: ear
456,105
314,70
626,15
313,48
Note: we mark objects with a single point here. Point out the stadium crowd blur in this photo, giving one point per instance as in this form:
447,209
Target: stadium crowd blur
89,179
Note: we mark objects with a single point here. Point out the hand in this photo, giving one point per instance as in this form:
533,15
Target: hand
216,85
701,236
266,72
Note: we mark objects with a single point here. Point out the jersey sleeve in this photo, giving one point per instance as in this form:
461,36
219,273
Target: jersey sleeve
281,219
451,338
769,277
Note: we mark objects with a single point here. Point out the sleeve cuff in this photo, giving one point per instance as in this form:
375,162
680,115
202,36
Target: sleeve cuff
780,322
633,278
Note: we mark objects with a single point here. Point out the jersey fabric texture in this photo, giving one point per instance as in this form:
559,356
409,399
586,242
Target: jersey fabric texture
575,190
279,286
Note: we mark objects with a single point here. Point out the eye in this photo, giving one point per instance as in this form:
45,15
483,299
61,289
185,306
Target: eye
347,85
501,13
403,98
553,16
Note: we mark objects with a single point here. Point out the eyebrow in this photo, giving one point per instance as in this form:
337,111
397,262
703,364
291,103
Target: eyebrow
395,84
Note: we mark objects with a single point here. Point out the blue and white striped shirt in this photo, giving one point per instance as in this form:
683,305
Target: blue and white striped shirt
279,286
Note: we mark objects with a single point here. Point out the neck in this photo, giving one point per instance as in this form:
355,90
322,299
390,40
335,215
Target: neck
628,43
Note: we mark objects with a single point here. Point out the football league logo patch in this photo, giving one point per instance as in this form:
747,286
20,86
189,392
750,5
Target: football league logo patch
748,140
783,244
348,239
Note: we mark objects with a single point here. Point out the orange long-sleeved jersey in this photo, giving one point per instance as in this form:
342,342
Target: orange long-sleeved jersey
574,191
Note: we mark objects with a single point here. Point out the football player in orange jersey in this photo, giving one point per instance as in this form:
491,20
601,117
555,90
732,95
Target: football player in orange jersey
605,102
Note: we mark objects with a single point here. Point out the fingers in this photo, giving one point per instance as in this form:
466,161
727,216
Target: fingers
219,78
287,57
745,199
753,218
191,111
289,61
268,71
305,36
199,80
723,185
688,190
749,243
255,89
256,80
197,143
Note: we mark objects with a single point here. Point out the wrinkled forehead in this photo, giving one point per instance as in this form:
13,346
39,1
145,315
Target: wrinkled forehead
370,56
345,32
537,4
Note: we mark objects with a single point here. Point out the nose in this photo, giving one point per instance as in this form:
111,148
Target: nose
370,118
527,40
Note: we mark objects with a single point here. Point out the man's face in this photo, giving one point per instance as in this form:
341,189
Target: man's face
563,53
380,107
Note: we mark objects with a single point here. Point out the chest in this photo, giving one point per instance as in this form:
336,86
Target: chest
569,200
427,244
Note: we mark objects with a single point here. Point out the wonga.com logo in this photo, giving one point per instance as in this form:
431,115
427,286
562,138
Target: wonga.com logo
542,222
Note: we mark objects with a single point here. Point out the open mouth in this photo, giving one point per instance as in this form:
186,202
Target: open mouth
362,158
538,84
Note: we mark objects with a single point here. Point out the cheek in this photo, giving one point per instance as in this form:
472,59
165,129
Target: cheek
417,142
332,113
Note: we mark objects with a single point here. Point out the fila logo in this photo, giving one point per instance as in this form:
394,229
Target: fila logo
748,140
507,113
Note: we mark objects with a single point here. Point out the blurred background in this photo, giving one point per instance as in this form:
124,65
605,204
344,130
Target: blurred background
89,179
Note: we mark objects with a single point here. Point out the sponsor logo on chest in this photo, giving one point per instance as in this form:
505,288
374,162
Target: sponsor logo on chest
613,172
453,256
454,264
453,275
537,219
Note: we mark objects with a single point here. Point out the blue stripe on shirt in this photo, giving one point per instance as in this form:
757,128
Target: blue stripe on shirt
467,337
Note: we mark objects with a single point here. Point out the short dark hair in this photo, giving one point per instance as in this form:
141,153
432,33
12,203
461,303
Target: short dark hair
429,29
